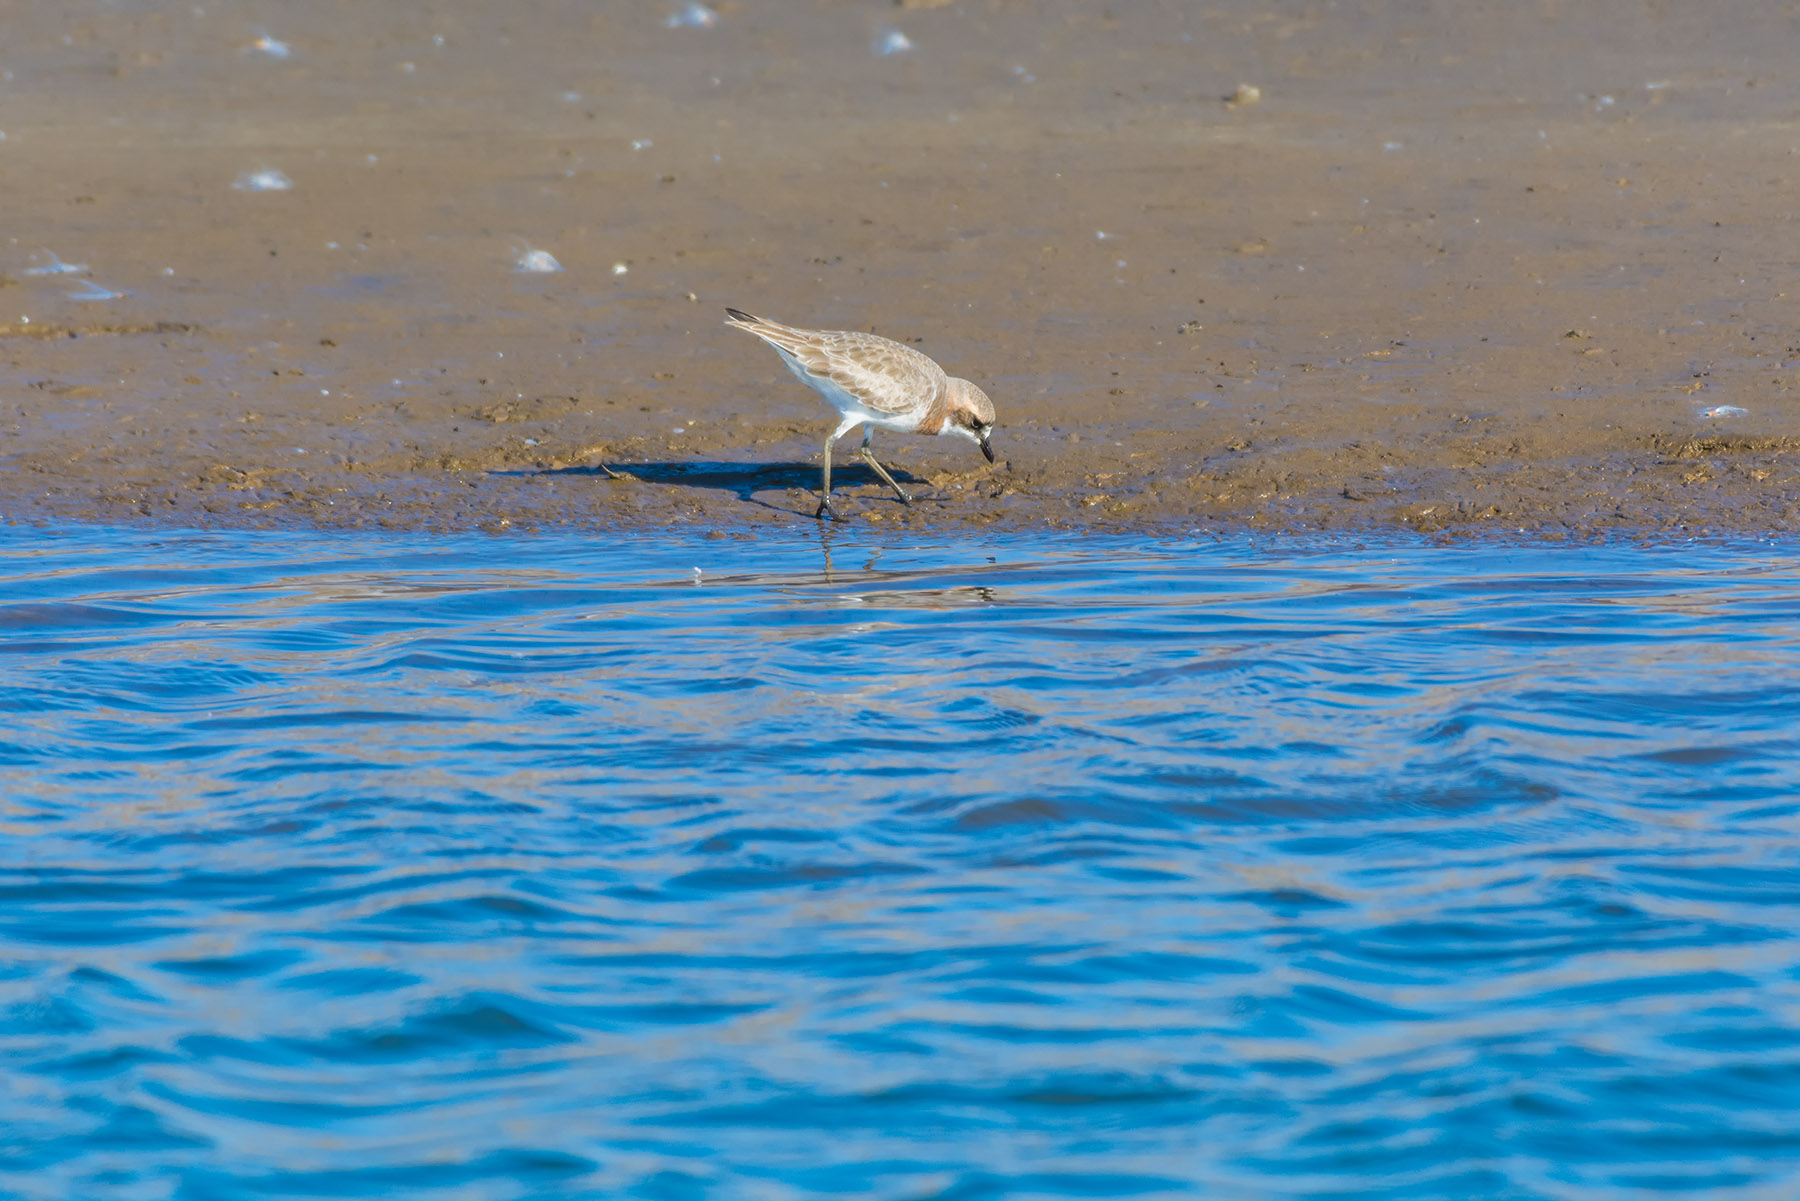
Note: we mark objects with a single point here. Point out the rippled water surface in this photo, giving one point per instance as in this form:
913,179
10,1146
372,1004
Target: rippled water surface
534,867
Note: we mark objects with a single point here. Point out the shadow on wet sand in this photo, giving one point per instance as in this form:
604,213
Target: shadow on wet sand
743,480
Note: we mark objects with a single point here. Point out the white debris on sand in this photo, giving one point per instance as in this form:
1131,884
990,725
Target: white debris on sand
91,291
892,41
56,267
692,16
266,180
540,261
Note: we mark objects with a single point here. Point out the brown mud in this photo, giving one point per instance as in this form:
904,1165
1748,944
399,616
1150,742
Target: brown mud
1448,267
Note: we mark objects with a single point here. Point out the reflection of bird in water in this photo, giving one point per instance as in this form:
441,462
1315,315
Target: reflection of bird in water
874,381
964,597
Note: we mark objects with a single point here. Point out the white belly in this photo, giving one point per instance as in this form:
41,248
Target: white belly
852,408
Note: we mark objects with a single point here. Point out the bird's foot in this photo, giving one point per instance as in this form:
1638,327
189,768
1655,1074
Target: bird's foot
826,509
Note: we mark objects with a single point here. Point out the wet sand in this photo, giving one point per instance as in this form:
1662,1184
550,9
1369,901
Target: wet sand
1457,270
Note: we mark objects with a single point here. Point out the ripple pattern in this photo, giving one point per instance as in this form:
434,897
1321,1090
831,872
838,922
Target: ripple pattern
523,868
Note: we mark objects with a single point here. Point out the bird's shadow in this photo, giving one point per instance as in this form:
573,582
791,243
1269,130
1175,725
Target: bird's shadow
744,480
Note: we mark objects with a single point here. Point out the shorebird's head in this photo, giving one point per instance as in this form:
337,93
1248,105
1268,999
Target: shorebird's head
971,414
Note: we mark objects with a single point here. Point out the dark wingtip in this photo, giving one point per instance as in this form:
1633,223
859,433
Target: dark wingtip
740,315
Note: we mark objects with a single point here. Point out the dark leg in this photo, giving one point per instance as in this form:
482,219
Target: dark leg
825,484
868,456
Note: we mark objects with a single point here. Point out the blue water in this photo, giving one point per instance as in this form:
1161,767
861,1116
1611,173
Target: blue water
548,867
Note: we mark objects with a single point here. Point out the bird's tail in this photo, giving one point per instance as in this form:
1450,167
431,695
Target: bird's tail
783,337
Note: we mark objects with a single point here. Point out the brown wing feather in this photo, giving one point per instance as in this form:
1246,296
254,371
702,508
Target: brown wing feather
883,375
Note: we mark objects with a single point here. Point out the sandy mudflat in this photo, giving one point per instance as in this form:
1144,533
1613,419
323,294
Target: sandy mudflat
1462,267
